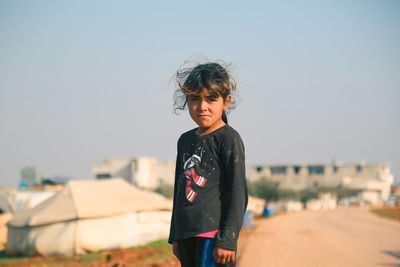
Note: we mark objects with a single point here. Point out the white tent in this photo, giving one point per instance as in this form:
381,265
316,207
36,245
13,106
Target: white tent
7,202
29,199
256,205
87,216
12,201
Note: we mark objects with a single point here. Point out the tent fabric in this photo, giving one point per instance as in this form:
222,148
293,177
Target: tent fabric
91,199
89,235
7,202
29,199
256,205
89,216
14,201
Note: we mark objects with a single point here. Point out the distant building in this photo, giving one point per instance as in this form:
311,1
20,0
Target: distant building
374,180
56,179
143,172
395,190
31,176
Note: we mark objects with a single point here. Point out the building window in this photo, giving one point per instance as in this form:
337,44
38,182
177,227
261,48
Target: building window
335,168
259,168
359,168
315,170
297,169
278,170
103,176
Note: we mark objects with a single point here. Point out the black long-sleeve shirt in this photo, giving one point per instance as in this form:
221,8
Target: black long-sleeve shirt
210,190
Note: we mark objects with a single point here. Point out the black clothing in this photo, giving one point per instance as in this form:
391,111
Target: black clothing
210,190
197,252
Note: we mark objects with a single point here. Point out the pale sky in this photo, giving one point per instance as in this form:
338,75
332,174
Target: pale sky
82,81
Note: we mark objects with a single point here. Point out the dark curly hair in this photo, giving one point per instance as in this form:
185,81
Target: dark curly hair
211,76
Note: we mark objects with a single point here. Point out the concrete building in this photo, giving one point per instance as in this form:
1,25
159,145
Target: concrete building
31,176
143,172
374,180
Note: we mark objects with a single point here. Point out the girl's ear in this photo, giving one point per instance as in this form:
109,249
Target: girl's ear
227,102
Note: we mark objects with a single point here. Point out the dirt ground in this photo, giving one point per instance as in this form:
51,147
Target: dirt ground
342,237
141,257
388,212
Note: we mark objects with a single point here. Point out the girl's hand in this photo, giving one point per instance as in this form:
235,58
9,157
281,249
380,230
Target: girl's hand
222,256
175,249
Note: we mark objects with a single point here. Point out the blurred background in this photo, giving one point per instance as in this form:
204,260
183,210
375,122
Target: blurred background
85,81
86,94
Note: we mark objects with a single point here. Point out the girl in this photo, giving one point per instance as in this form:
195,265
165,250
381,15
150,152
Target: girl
210,193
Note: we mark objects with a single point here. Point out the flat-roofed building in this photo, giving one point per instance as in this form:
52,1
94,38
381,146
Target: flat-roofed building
143,172
374,180
31,176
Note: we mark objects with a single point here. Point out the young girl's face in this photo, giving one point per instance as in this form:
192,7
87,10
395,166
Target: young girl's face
206,110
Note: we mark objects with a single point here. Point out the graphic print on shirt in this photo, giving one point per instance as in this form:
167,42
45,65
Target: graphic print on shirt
190,175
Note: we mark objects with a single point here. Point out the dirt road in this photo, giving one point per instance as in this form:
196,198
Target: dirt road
342,237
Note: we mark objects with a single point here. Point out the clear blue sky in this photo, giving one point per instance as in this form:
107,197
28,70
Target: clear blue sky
82,81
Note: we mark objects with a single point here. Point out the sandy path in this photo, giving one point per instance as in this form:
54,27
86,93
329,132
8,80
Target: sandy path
338,238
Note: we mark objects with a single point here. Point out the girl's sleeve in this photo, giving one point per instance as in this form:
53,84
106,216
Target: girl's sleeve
177,168
234,195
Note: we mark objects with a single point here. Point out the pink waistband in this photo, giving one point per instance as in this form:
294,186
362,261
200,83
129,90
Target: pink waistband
211,234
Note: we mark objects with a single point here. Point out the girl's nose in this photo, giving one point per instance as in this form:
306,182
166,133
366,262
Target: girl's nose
203,105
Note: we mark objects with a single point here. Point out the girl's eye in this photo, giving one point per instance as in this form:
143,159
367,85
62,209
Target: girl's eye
211,99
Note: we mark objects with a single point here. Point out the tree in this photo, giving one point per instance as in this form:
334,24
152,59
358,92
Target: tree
308,194
264,189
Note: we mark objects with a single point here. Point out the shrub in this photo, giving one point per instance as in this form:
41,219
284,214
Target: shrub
270,191
264,189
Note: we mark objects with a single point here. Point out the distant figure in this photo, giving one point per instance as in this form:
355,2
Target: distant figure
210,193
